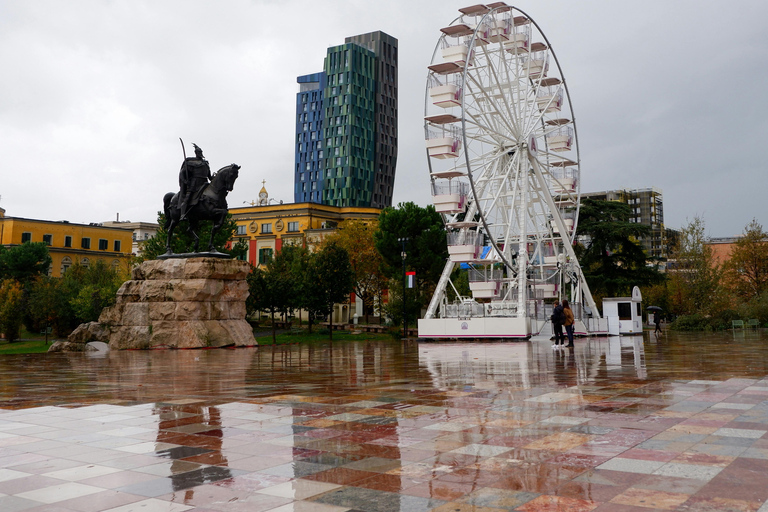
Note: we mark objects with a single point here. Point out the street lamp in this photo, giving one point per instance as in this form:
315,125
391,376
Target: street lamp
403,255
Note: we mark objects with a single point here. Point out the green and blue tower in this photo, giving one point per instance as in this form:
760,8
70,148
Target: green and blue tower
346,125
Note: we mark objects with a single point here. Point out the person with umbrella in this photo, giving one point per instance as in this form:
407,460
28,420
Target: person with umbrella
656,318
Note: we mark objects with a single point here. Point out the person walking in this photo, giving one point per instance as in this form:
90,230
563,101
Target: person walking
569,321
558,318
657,321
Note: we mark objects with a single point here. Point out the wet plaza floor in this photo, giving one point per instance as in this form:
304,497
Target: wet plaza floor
629,424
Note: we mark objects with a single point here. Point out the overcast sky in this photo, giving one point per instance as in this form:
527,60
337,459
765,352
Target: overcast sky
95,94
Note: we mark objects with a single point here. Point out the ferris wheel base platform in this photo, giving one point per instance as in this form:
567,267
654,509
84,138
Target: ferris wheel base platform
516,328
475,328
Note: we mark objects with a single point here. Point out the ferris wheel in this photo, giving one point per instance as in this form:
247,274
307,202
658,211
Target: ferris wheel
504,167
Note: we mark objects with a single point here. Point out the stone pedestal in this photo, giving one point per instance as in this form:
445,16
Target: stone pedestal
181,303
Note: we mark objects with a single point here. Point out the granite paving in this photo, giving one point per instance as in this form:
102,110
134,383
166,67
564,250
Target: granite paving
675,422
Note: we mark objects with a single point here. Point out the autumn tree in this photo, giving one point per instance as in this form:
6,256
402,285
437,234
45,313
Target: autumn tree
11,308
694,280
357,238
747,268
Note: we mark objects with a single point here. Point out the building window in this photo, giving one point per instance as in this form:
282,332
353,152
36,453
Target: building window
66,262
265,255
241,229
68,243
266,228
117,245
103,244
48,239
26,237
85,243
293,227
85,263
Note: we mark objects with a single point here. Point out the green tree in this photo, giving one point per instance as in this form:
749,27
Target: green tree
24,262
294,260
264,295
610,256
747,268
357,238
183,241
331,281
695,279
425,248
11,308
47,305
90,289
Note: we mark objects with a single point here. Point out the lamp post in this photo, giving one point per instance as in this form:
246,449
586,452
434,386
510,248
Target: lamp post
403,256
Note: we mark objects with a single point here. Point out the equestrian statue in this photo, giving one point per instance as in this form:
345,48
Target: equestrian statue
202,196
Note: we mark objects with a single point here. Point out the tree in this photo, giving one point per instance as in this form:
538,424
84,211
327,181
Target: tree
183,241
11,308
47,305
426,250
296,265
747,268
694,280
426,245
611,258
262,297
90,289
331,281
24,262
357,238
278,286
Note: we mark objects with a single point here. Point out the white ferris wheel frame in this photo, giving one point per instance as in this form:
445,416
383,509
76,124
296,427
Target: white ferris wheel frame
504,145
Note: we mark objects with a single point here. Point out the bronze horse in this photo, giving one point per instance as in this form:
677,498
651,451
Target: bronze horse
211,205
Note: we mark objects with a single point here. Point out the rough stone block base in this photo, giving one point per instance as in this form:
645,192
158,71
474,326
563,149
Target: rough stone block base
179,303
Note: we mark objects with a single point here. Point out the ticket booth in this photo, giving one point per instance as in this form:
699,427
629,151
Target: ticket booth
626,313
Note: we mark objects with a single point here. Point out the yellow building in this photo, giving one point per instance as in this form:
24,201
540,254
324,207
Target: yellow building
68,243
267,228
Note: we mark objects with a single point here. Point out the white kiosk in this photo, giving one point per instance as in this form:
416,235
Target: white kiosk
624,314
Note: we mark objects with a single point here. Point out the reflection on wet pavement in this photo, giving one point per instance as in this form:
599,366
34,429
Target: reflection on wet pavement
619,424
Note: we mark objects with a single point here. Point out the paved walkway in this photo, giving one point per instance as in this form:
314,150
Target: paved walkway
616,425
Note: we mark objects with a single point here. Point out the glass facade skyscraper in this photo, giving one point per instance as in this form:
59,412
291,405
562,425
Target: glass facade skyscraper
346,125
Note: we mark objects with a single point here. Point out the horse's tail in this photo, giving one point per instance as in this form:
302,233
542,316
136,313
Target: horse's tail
167,208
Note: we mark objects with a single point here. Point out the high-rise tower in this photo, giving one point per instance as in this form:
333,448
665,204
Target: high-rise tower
346,125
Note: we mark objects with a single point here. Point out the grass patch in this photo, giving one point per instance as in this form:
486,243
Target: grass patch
319,336
26,346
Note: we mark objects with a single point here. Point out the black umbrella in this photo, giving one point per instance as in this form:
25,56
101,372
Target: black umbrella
654,308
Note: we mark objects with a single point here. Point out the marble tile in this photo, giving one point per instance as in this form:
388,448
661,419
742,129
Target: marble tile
652,499
557,503
243,430
59,492
632,465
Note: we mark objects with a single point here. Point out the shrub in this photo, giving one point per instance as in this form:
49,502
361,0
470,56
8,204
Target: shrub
694,322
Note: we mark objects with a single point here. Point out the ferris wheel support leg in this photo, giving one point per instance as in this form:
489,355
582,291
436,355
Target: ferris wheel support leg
440,290
566,238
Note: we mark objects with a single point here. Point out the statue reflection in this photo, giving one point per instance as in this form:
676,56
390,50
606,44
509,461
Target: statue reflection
198,432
